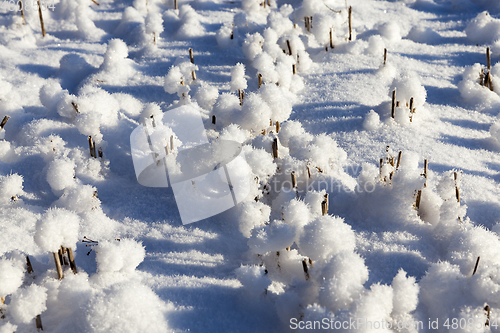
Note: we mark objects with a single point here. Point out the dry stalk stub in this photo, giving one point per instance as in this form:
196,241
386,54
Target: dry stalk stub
425,172
475,267
457,191
259,77
4,121
393,105
488,59
305,268
21,9
57,260
41,18
294,179
400,154
275,148
289,47
277,127
350,23
385,55
191,56
324,205
213,121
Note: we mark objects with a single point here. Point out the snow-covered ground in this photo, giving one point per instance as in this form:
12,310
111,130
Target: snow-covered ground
400,248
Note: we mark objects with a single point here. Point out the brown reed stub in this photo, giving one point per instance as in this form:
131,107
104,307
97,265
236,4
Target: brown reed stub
21,9
57,261
350,23
294,69
294,179
385,55
311,262
305,268
28,265
380,167
400,154
277,127
91,146
41,18
331,39
38,323
4,121
172,143
71,260
487,309
488,58
214,119
175,4
259,77
477,264
324,205
289,47
425,172
419,197
275,148
191,56
457,191
393,105
97,3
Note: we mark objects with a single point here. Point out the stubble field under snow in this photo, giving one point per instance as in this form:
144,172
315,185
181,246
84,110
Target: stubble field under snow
374,203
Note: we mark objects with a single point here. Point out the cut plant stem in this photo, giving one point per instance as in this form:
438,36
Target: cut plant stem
475,267
71,260
412,111
425,172
38,323
380,167
331,39
488,58
385,55
350,23
91,146
294,69
4,121
193,75
289,47
191,56
260,80
28,265
175,4
275,148
21,8
41,18
457,191
393,105
172,143
399,159
419,196
213,119
487,309
277,127
58,265
324,205
294,179
306,270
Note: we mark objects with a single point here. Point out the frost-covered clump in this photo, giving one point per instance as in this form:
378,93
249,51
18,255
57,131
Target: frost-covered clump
190,23
483,29
122,256
154,26
116,67
11,276
475,91
251,215
27,303
238,80
57,227
61,174
179,78
409,98
206,95
80,199
325,237
131,27
390,31
253,278
495,131
11,187
321,150
424,35
123,307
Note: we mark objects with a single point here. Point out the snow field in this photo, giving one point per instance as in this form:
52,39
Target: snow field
304,243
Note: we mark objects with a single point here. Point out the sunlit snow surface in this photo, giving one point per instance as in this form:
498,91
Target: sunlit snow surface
103,70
